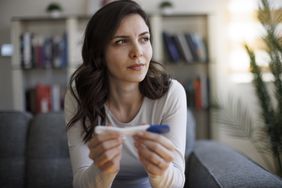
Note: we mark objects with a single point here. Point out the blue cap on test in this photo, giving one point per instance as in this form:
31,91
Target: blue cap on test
157,128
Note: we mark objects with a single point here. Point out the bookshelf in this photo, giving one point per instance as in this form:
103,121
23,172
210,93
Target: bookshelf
193,72
72,28
46,52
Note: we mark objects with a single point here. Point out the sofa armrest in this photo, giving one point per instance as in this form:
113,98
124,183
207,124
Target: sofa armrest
215,165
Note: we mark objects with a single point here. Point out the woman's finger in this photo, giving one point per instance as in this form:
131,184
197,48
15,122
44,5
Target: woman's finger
157,147
107,156
107,145
112,165
98,149
151,156
97,139
144,135
157,168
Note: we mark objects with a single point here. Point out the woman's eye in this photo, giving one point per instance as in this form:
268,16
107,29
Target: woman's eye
121,41
145,39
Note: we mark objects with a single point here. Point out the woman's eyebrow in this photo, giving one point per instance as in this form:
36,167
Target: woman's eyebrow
144,33
120,36
125,36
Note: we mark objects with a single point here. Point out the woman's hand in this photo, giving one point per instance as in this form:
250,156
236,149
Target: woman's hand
105,151
155,152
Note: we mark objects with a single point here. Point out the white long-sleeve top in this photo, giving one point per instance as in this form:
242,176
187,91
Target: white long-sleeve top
170,109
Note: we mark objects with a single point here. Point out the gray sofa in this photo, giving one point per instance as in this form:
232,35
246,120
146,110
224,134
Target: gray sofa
33,151
34,154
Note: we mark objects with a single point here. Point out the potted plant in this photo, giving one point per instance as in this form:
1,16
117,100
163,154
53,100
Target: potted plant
271,107
166,7
54,9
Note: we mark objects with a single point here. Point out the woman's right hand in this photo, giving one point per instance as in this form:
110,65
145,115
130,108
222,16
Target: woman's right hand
105,151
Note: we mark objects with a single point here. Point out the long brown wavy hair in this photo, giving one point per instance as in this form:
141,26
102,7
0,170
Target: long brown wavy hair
89,83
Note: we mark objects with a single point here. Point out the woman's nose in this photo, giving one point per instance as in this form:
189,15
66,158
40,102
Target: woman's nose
136,51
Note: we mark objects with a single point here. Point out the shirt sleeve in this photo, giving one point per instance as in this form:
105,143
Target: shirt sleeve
85,173
175,115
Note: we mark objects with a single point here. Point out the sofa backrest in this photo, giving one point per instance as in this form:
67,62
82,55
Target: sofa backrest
34,153
13,136
48,163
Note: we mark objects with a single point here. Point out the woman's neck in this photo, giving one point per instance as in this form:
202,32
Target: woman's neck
124,102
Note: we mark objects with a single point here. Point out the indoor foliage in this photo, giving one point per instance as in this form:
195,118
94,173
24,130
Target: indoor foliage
270,103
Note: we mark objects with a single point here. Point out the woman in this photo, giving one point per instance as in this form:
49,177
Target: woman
119,85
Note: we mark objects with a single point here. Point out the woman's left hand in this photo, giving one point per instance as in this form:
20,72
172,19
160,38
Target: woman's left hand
155,152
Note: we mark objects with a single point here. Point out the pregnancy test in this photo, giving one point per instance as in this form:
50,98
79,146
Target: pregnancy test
155,128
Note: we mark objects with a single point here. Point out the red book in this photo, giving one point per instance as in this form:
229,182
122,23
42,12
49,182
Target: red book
43,98
198,94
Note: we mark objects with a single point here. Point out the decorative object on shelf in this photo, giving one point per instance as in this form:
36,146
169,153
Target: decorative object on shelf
166,7
271,107
54,10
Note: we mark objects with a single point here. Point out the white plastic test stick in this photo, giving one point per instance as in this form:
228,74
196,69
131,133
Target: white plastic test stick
127,131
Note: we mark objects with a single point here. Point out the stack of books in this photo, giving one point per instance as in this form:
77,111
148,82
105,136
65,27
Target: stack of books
197,91
39,51
45,98
186,47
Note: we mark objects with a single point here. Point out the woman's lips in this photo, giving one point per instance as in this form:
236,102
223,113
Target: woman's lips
136,67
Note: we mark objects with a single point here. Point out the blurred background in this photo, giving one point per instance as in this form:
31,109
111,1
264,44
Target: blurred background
199,41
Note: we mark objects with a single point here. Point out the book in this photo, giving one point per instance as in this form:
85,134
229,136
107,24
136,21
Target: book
30,100
47,52
189,88
42,98
37,46
64,55
178,47
198,93
200,47
193,47
59,51
170,48
56,98
26,50
186,51
204,91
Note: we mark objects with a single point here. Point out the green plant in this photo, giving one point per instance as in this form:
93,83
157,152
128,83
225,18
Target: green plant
271,107
165,4
54,6
234,119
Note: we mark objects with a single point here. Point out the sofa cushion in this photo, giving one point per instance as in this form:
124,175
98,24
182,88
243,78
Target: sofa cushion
215,165
48,163
198,175
13,136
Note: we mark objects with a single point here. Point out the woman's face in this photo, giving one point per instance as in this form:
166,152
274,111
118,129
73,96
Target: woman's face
129,52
